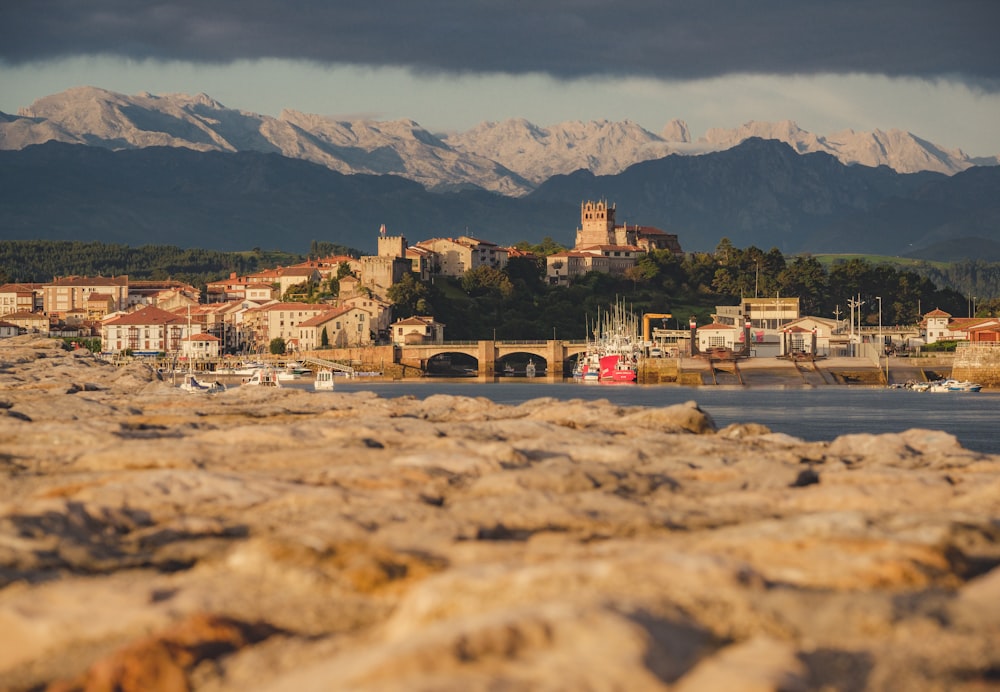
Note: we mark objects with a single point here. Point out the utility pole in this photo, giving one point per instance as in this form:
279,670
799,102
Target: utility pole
855,303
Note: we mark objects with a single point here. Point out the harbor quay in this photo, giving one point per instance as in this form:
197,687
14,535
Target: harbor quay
412,361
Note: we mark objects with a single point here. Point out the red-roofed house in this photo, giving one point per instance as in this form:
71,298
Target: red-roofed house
201,346
30,322
717,335
147,331
941,326
417,330
20,297
987,332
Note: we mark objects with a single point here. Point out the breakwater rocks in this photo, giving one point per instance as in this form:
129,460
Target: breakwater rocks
286,540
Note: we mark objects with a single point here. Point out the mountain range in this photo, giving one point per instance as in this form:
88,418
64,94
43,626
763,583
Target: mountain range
90,164
511,157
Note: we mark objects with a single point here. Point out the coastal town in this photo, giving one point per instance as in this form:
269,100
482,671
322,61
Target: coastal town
248,315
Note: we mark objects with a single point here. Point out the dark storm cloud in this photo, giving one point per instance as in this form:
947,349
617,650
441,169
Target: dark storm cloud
563,38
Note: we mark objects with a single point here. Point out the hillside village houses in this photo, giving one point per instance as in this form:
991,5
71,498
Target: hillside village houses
603,245
243,314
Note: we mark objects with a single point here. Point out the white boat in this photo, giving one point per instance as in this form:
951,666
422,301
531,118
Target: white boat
263,377
952,385
529,369
244,369
323,381
195,386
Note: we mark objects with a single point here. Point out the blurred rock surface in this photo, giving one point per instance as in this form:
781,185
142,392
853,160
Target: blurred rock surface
156,540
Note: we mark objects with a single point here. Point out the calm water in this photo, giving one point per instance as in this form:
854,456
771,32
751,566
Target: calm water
820,413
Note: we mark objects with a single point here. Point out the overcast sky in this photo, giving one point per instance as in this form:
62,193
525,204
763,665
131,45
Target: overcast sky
928,66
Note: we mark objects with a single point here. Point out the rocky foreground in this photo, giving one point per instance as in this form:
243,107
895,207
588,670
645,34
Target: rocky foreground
287,540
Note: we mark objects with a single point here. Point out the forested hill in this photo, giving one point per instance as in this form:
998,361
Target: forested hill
760,193
40,261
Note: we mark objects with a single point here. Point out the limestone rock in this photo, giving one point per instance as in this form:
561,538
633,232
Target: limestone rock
284,540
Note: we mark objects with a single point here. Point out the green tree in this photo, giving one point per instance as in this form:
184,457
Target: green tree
277,346
547,247
485,280
409,297
805,278
324,339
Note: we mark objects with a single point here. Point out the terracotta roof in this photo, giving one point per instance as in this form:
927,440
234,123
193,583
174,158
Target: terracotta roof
148,315
937,312
716,326
90,281
202,337
602,248
17,288
304,307
325,317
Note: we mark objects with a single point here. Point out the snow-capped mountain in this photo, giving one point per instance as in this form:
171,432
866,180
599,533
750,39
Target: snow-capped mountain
902,151
88,115
510,157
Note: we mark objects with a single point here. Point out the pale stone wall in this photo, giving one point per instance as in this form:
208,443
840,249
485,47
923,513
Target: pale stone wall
978,363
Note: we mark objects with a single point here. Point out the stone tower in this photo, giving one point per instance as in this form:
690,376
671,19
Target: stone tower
597,224
391,246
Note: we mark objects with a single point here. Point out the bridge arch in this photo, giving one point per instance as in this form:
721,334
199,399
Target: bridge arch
491,355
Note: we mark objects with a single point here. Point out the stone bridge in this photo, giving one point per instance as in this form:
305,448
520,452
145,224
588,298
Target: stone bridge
554,353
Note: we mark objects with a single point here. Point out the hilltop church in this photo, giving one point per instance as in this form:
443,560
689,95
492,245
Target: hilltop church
603,245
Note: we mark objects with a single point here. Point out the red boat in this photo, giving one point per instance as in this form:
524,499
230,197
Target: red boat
617,369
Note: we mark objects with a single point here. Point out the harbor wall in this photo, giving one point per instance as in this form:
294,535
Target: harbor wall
978,362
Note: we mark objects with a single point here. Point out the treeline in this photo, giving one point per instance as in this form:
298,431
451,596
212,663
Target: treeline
40,261
969,277
517,303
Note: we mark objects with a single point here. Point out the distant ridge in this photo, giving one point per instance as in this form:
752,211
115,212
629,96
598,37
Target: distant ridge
760,193
511,157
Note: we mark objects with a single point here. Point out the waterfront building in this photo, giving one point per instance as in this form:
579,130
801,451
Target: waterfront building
147,331
20,297
345,326
380,311
718,335
278,321
763,313
30,322
8,329
201,346
419,329
939,325
66,293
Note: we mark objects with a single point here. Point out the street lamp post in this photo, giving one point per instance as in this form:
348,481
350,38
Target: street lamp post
880,339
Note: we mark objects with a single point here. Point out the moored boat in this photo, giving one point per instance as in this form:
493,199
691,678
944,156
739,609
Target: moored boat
323,381
613,354
263,377
195,386
951,385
